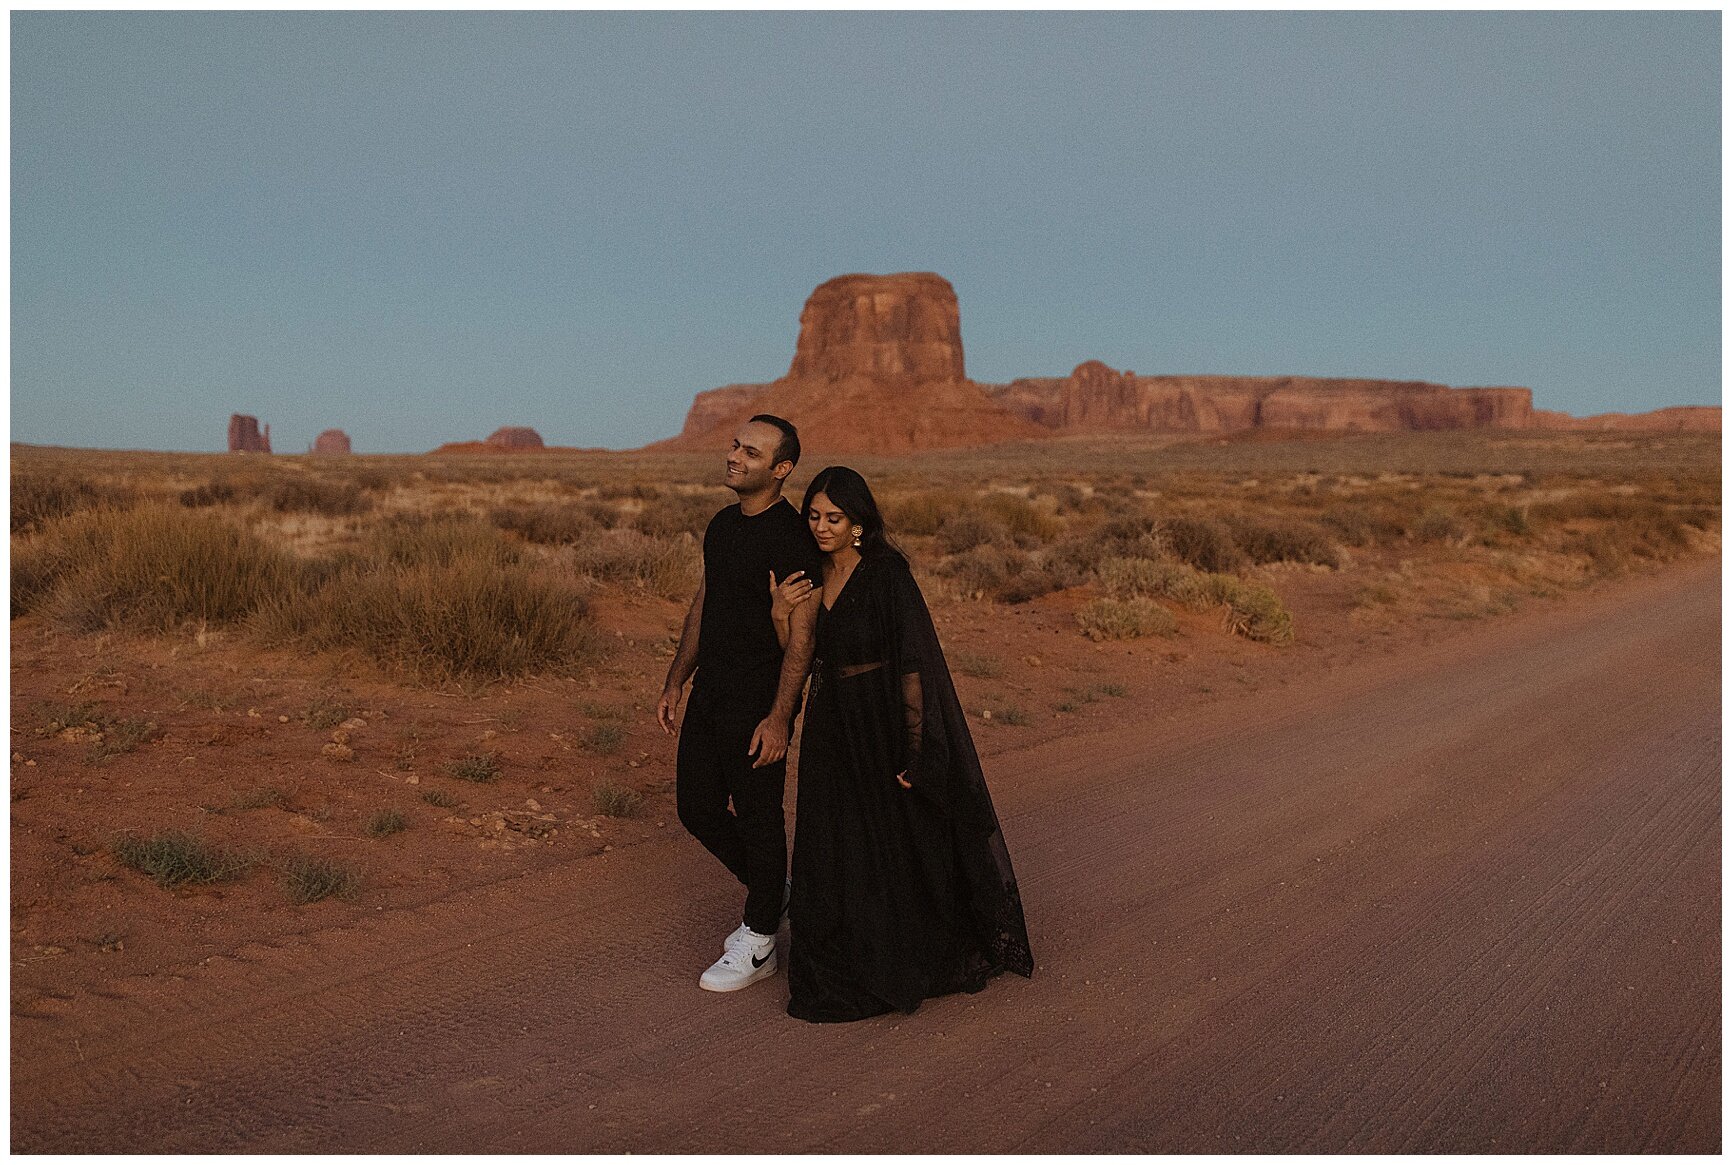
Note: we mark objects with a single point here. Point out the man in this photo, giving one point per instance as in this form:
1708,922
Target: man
734,737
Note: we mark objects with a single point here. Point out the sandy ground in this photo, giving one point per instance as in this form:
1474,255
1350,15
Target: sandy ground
1460,898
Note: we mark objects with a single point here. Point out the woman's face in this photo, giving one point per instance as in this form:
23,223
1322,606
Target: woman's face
830,526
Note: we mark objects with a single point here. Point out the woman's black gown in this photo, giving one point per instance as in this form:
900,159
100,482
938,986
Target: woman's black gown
898,894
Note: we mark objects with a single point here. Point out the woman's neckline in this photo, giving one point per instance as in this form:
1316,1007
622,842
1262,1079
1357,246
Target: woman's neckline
831,606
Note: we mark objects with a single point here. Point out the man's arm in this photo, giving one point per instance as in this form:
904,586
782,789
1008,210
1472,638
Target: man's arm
684,664
770,741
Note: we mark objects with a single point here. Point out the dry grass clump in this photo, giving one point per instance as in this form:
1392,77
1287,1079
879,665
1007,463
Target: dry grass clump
665,567
475,618
311,879
386,822
920,514
671,515
121,737
175,858
611,800
151,568
478,768
1250,609
319,495
1438,524
1283,540
1362,525
552,524
441,540
1204,543
39,498
1130,618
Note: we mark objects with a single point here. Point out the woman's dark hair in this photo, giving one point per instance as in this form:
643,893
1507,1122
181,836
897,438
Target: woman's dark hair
850,493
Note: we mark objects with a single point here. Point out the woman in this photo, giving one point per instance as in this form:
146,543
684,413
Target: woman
902,887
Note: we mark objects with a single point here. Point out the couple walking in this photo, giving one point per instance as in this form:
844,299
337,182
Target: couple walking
901,886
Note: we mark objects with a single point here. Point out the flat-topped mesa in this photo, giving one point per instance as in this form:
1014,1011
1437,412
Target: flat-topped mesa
1676,419
1095,398
891,328
877,368
515,437
245,437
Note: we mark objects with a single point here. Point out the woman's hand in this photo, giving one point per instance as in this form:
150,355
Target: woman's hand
902,779
788,594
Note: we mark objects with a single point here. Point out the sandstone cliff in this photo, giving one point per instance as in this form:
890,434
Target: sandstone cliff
877,368
1095,398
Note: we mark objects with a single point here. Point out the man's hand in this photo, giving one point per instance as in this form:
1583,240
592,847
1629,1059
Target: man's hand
769,741
668,707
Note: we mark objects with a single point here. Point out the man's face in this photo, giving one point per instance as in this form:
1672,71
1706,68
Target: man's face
752,459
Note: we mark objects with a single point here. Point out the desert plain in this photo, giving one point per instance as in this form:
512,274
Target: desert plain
1363,788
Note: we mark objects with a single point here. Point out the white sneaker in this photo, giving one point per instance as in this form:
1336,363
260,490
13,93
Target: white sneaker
741,931
744,962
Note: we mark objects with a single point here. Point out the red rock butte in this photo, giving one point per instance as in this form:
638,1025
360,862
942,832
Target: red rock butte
878,368
245,437
331,442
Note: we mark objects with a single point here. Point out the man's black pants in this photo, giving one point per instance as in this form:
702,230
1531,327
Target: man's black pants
751,841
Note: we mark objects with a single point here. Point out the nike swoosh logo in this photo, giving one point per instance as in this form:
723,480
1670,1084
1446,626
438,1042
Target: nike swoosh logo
757,962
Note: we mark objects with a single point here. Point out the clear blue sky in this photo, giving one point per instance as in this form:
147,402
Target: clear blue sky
420,227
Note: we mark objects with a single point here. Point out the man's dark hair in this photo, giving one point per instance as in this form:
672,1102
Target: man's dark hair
788,448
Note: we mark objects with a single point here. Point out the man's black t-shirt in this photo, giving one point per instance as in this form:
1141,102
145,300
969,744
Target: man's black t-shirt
739,659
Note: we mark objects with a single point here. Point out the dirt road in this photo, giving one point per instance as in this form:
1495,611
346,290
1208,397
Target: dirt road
1464,901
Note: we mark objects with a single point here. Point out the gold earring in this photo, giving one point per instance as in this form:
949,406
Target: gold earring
857,532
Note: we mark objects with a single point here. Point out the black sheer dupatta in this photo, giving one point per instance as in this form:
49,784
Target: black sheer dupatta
943,768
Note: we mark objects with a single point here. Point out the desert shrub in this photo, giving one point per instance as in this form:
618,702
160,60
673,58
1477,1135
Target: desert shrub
1437,524
666,567
1255,611
676,514
1361,526
386,822
59,717
970,529
40,498
1125,619
921,514
123,736
1283,540
326,710
1508,520
472,619
407,540
981,667
306,494
1027,523
212,493
1129,578
312,879
439,798
611,800
603,739
175,858
547,524
1203,543
1030,583
980,572
263,798
478,767
154,568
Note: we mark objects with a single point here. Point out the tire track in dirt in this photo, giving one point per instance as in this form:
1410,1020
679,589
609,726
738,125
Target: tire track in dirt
1401,910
